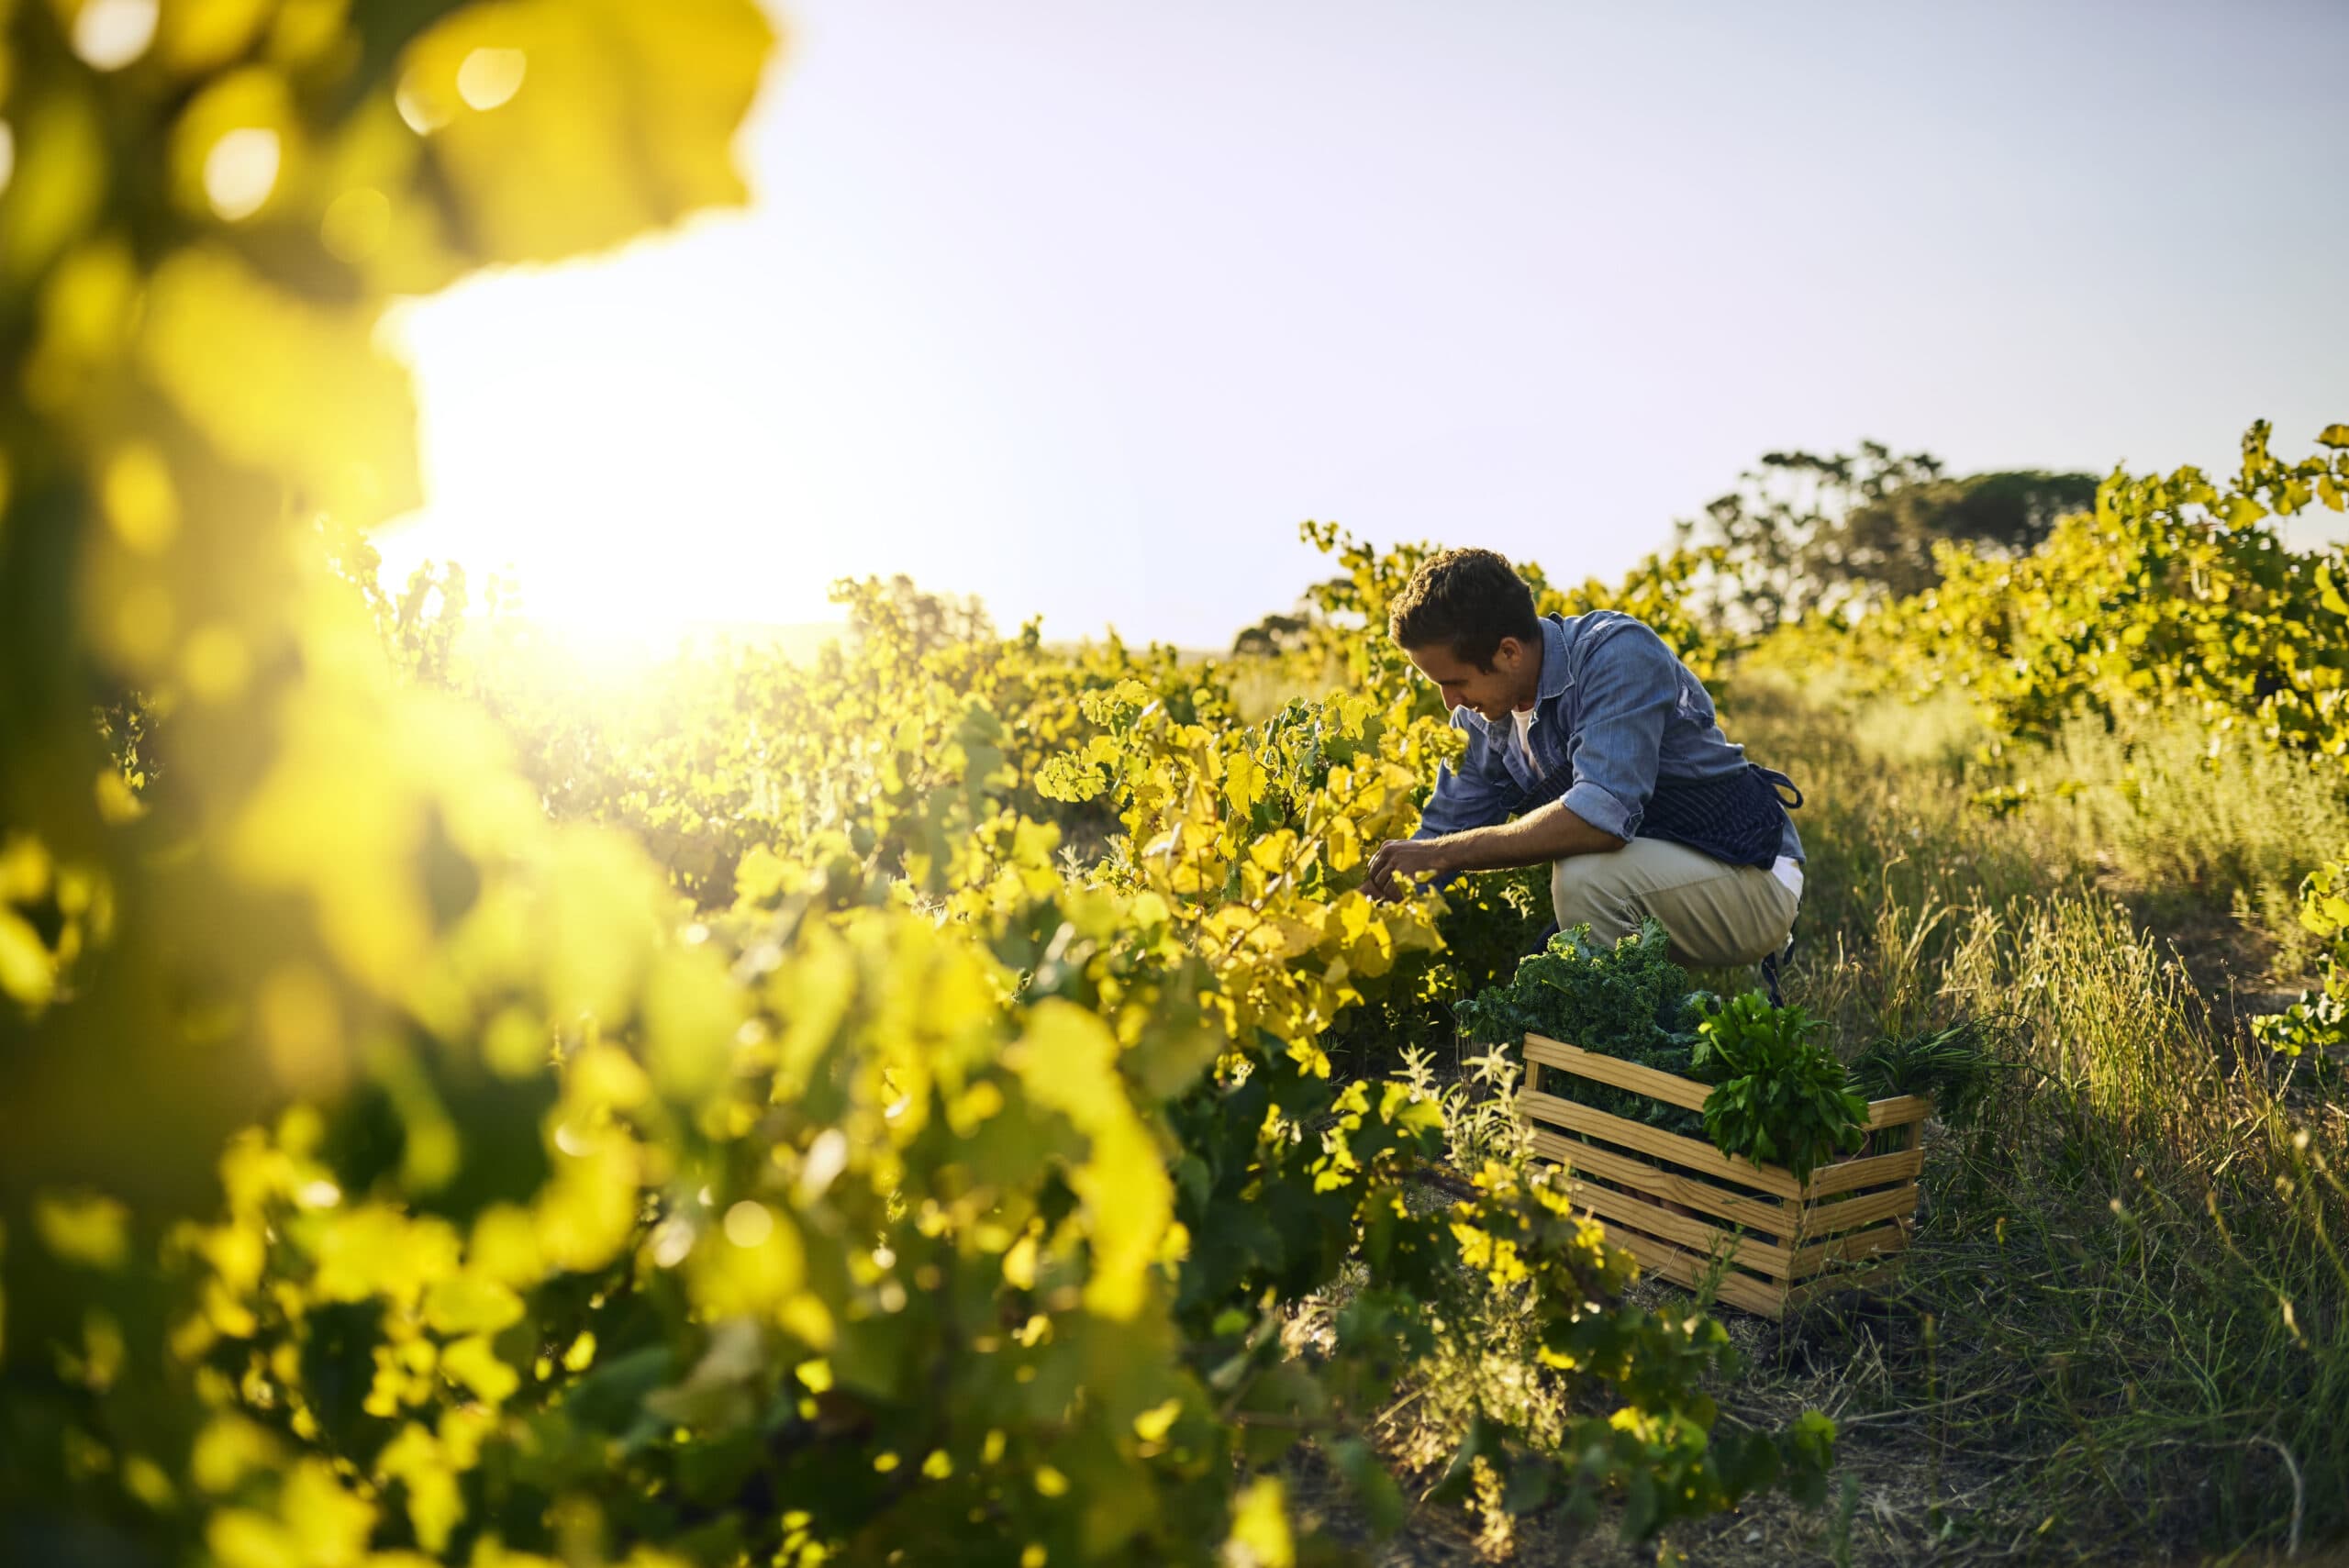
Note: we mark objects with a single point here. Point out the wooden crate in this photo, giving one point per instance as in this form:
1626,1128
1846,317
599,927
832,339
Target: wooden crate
1783,1241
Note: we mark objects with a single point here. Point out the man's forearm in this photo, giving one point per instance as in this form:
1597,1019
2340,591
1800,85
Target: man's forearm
1551,833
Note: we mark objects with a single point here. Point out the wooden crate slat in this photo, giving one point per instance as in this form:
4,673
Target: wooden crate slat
1671,1088
1872,1170
1779,1218
1647,1139
1681,1229
1899,1110
1828,1219
1766,1297
1882,1242
1775,1216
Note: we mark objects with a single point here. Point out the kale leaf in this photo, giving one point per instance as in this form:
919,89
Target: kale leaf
1628,1000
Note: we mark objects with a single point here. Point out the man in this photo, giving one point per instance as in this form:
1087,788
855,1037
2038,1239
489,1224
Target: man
1603,746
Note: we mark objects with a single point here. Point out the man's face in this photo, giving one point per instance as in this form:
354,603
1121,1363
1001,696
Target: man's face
1492,692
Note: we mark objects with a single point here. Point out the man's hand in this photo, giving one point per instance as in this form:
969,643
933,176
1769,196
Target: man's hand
1399,858
1549,833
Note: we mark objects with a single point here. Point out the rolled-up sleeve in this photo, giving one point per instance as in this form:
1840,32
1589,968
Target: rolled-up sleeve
1630,684
1478,795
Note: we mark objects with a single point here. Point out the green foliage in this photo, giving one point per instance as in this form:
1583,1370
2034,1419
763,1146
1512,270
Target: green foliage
1275,634
2316,1025
1953,1066
1805,534
1887,547
2176,591
1779,1096
899,612
1628,1000
2175,596
1347,619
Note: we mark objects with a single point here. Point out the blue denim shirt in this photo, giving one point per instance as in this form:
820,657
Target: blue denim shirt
1615,706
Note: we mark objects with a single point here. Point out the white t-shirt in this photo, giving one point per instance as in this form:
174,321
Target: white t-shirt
1524,716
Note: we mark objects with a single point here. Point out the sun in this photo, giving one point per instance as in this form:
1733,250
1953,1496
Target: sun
571,434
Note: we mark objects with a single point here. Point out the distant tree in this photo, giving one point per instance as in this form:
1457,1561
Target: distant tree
1804,532
897,610
1889,542
1274,634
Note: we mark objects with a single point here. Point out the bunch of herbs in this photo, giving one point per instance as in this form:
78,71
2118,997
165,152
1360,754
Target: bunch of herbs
1779,1095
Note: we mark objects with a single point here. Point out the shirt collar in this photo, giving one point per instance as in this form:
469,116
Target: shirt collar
1556,676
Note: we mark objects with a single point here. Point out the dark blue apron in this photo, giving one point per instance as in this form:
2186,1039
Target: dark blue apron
1739,819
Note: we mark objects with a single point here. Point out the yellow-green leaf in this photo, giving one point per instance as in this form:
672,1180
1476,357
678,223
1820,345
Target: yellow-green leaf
566,125
1068,1062
1243,782
28,972
468,1304
89,1228
1260,1533
284,384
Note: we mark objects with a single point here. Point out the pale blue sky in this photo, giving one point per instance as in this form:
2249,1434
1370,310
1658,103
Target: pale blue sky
1081,306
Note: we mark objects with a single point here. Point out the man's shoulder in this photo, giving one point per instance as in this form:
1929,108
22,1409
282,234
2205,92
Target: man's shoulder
1612,630
1600,623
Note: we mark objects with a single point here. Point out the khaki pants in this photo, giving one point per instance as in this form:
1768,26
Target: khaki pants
1718,914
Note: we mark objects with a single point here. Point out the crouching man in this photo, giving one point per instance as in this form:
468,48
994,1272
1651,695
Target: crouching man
1592,747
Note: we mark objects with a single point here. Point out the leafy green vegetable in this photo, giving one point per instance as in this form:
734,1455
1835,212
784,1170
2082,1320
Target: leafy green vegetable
1628,1000
1952,1066
1779,1095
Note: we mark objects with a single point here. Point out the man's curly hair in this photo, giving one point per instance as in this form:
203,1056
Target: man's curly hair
1466,599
